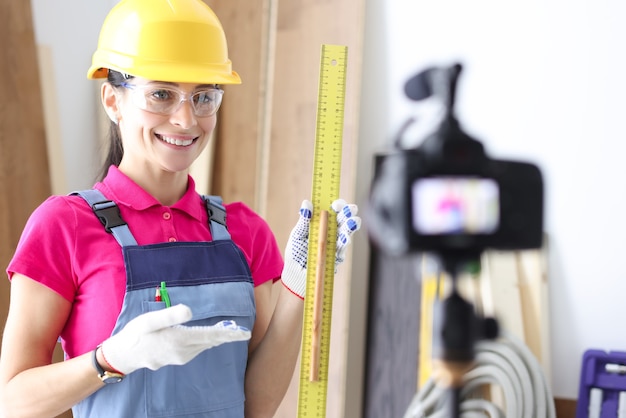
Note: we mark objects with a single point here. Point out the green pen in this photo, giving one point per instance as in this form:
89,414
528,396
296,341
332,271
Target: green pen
165,296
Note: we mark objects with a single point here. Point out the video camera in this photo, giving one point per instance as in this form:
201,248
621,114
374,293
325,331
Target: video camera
446,195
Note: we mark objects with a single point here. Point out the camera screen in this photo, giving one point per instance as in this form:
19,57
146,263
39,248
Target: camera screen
455,205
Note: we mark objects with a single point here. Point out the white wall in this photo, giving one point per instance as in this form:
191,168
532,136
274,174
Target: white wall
543,80
69,31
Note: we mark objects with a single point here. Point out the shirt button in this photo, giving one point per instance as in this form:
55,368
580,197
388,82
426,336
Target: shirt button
172,239
167,215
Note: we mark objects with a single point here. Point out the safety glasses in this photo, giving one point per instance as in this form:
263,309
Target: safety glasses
165,100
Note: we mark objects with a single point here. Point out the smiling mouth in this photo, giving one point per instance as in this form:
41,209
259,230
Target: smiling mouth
176,141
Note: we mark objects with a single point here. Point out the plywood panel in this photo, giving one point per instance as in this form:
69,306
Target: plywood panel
301,29
266,130
235,158
392,342
24,174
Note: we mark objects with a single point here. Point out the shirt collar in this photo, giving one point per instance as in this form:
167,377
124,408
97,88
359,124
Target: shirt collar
118,187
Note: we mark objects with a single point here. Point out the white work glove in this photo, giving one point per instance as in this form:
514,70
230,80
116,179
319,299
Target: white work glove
296,252
156,339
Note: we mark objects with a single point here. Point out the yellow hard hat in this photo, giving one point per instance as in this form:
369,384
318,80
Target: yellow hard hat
166,40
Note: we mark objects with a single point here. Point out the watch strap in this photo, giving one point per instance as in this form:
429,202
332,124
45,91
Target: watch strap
105,376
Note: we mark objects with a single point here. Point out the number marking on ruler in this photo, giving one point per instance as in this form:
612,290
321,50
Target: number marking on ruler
322,238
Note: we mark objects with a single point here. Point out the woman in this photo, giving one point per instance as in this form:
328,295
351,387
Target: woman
160,297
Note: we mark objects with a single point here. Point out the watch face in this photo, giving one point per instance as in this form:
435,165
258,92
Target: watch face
111,378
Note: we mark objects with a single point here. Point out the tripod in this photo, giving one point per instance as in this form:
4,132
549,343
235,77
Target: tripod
457,329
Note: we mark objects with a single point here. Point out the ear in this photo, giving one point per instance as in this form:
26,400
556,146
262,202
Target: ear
109,101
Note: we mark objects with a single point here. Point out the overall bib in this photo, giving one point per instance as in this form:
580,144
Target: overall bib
214,280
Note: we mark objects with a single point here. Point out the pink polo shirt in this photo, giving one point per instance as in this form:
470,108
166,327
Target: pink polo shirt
65,247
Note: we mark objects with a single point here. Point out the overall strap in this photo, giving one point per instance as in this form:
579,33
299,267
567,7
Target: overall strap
217,217
109,214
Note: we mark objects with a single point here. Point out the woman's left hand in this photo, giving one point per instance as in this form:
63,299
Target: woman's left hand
296,252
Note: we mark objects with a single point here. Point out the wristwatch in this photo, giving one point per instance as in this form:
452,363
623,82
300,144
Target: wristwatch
105,376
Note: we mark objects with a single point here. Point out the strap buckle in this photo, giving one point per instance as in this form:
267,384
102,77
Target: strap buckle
109,214
217,213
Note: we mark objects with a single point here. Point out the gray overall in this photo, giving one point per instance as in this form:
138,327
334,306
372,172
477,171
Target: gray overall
214,280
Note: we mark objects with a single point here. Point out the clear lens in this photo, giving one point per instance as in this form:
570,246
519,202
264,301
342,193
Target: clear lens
167,100
206,102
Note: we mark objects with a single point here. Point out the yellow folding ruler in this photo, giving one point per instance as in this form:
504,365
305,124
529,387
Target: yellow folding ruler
323,234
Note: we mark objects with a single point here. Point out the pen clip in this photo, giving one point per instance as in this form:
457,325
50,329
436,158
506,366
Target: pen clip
165,297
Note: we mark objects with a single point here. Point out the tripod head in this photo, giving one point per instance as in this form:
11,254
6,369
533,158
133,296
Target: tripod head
446,195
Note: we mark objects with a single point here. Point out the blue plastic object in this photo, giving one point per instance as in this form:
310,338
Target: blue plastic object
604,370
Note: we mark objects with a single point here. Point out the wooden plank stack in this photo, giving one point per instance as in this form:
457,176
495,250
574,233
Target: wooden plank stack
511,286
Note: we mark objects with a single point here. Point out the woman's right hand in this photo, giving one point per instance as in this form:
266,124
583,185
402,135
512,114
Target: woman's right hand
157,339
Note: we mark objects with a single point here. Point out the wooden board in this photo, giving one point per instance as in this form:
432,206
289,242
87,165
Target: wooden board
500,296
24,178
433,283
515,290
534,292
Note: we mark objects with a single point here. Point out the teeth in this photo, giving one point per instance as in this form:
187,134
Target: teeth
175,141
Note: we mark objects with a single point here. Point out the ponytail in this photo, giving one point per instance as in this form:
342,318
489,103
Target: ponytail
116,149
